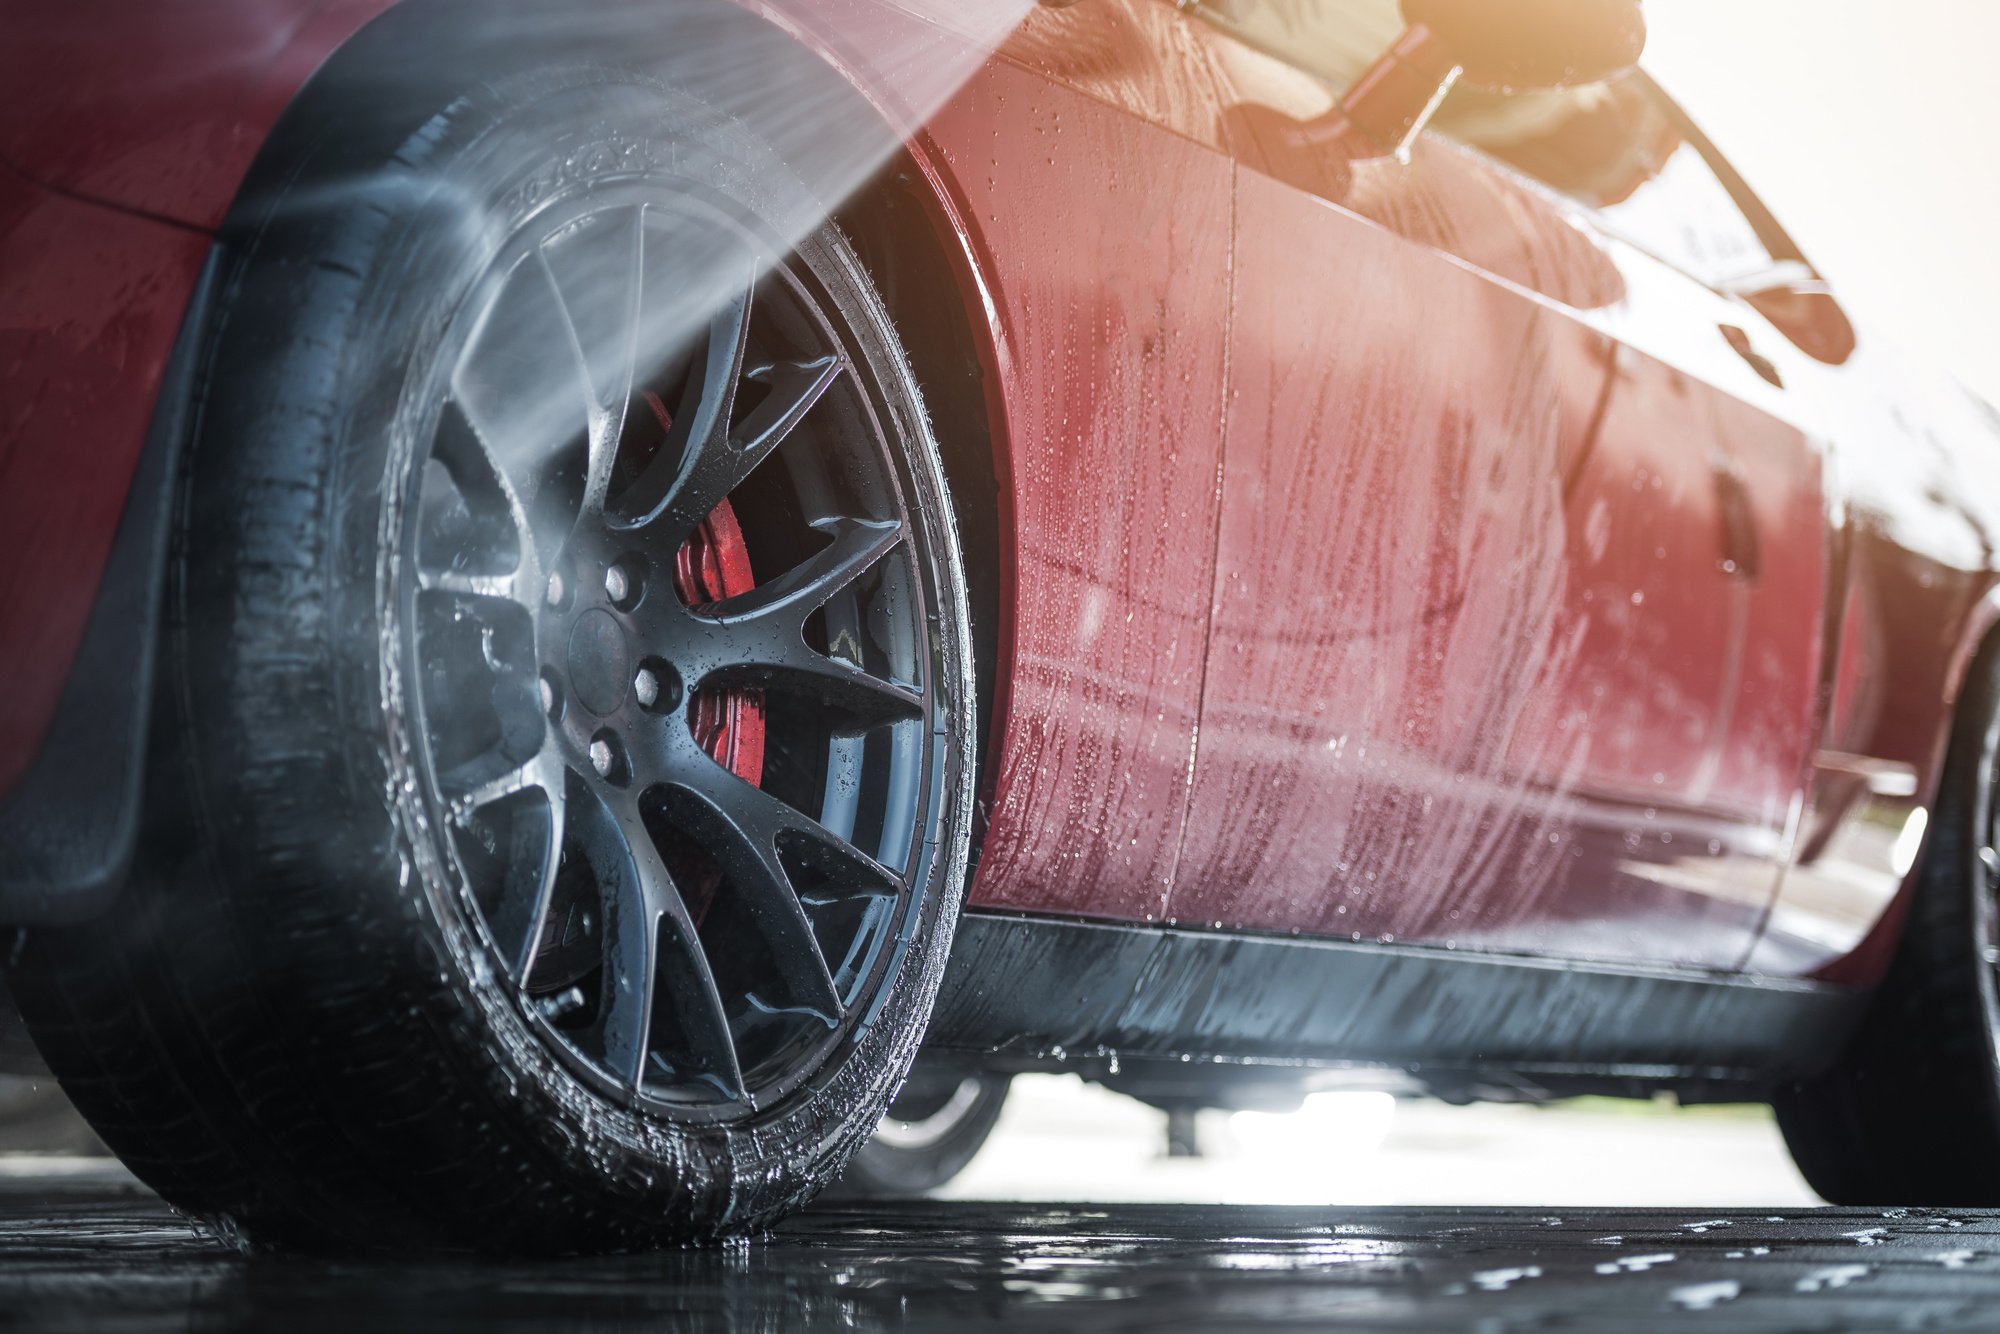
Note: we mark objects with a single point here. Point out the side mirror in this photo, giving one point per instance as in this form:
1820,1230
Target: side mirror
1800,305
1506,44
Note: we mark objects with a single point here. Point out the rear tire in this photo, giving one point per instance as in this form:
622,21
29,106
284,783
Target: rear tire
472,913
1910,1112
930,1134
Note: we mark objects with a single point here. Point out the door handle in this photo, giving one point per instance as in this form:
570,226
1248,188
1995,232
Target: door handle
1739,522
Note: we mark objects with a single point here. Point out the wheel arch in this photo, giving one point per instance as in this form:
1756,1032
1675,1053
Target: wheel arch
1978,634
909,228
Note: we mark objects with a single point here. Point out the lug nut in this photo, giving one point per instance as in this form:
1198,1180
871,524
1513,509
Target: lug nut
549,686
601,758
555,592
617,584
656,686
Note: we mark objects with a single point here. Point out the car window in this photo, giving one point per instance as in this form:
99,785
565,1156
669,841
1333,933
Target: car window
1612,147
1682,214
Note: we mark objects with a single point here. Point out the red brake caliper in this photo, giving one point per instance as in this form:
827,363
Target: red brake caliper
713,564
729,724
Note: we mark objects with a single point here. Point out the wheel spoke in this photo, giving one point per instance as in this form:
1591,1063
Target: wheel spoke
708,1049
707,458
795,386
464,583
522,913
680,486
758,637
755,872
530,876
640,899
520,402
491,552
854,692
488,778
599,290
791,597
631,934
486,666
743,826
596,415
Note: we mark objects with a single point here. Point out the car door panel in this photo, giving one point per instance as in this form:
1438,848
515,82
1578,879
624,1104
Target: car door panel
1761,555
1594,753
1389,580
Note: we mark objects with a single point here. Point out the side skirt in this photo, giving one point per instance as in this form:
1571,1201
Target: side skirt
1041,993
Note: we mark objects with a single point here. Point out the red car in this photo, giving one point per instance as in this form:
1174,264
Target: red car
551,550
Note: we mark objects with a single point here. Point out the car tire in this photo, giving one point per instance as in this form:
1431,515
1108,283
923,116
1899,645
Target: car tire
931,1133
413,956
1909,1114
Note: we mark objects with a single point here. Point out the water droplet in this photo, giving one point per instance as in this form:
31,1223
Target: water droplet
1831,1277
1499,1280
1633,1264
1705,1296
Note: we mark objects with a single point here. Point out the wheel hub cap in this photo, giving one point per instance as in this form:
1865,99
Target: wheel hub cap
600,661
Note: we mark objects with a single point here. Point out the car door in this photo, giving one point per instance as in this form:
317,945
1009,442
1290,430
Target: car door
1520,561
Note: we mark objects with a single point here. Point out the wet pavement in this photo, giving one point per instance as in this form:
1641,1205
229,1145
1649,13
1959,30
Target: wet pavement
83,1252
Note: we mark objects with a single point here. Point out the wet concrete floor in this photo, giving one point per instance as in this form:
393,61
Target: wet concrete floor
86,1254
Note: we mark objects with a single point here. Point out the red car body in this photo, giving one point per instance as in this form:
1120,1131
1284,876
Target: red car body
1389,555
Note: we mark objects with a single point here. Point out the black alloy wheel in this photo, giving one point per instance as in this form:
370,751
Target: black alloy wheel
562,790
680,790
